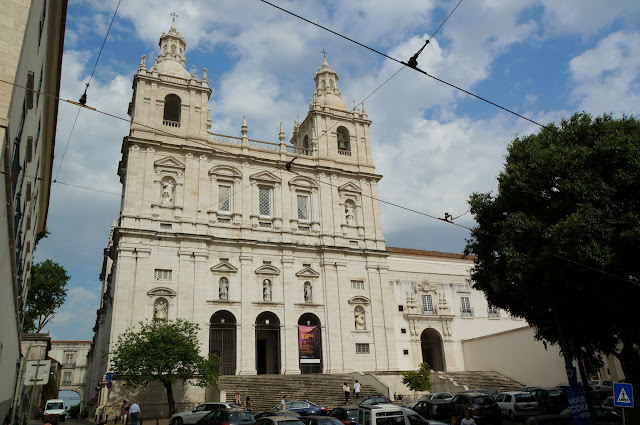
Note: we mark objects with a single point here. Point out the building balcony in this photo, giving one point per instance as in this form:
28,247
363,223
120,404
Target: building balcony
494,314
170,123
433,311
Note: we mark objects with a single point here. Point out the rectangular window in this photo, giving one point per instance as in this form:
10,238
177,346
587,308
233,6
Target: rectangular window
465,307
493,311
42,16
28,191
357,284
30,87
35,146
362,348
405,352
264,201
303,207
400,308
66,378
162,274
39,88
403,330
224,198
29,149
427,304
68,359
29,222
166,225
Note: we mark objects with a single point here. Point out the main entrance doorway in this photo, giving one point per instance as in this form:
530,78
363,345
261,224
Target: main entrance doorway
222,340
267,343
432,350
310,343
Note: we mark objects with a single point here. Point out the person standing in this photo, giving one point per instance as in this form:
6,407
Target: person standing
283,403
356,389
124,412
347,392
248,405
134,412
468,420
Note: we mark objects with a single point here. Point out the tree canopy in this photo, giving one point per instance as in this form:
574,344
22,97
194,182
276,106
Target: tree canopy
558,242
162,350
420,380
47,293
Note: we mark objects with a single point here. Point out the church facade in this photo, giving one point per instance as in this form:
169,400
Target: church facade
275,249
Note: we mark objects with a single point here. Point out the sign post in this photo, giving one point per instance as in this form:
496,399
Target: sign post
622,397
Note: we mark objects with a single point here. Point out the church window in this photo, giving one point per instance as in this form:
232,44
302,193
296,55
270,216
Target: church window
427,304
264,201
357,284
362,348
305,142
359,317
303,207
162,274
224,198
465,308
343,139
171,115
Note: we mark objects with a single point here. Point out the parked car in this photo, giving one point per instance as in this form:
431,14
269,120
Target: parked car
482,406
319,420
198,412
390,414
440,396
551,400
303,408
440,410
234,416
278,413
374,400
55,407
516,404
601,385
279,420
529,388
493,392
348,415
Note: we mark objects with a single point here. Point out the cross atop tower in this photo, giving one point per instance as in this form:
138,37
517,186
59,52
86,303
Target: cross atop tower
174,16
324,53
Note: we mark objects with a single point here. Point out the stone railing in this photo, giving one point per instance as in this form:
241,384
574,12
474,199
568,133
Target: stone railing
170,123
344,152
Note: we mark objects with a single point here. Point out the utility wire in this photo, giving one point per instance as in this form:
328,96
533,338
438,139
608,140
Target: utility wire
413,62
412,67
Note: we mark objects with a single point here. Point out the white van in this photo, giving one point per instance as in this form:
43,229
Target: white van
390,414
55,407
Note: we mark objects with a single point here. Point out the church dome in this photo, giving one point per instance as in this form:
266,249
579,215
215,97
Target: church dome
327,92
171,59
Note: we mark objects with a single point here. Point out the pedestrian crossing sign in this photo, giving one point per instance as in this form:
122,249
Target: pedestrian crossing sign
622,395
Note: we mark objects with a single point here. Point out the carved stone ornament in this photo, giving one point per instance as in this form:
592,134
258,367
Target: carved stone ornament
161,292
426,286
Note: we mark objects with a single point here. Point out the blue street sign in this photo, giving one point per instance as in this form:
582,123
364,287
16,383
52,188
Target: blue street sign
622,395
109,377
577,401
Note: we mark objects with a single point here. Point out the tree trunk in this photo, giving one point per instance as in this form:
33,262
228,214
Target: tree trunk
172,404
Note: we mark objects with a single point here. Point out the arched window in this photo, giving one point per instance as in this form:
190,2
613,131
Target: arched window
343,139
305,142
171,115
359,318
223,290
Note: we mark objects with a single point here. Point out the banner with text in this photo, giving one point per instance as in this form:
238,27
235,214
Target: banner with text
309,344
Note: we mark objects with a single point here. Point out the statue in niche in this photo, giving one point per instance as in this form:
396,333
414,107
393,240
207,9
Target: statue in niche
167,192
359,318
349,212
161,309
224,288
308,294
266,290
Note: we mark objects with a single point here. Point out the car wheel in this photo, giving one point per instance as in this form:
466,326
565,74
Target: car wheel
512,417
177,421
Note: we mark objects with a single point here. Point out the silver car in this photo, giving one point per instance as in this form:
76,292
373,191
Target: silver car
193,416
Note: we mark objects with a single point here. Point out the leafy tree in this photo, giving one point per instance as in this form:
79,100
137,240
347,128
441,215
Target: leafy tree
420,380
558,244
163,350
47,293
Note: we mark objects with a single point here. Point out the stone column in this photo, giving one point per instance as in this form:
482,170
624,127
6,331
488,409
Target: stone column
289,340
333,336
202,280
246,347
185,284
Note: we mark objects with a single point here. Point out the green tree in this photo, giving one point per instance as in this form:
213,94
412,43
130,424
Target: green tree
420,380
165,351
47,293
558,243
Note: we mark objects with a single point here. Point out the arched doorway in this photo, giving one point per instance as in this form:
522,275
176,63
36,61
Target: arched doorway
432,350
222,340
310,343
267,343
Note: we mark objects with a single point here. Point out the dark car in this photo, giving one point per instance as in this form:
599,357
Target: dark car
348,415
278,413
319,420
440,410
374,400
304,407
551,400
279,420
483,408
227,416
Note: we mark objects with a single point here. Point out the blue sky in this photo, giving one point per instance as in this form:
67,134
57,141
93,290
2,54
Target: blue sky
545,59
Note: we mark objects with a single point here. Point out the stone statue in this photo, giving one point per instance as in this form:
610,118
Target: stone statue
161,309
359,320
224,289
349,213
308,295
266,290
167,192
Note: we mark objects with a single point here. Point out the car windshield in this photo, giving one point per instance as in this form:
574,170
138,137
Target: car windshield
240,417
555,393
55,406
352,414
482,400
524,398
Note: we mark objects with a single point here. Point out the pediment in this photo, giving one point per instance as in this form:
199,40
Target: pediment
349,187
301,181
308,272
268,269
225,171
266,176
360,300
169,162
224,267
161,292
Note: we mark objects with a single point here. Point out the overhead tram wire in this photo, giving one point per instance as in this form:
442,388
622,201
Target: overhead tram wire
412,67
83,98
295,172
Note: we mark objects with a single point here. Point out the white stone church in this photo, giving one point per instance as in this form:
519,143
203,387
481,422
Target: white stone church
275,249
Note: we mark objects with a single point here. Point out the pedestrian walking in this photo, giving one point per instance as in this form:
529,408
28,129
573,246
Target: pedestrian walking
40,411
237,400
347,393
124,412
356,389
248,405
134,412
283,403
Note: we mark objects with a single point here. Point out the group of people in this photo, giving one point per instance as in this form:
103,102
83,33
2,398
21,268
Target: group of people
347,391
248,405
132,411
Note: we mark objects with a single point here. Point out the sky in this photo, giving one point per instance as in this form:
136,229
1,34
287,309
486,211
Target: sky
434,145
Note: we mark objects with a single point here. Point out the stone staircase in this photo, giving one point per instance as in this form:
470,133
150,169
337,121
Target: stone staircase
266,391
481,380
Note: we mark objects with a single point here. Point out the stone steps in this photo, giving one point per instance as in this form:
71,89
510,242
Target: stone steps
482,380
266,391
